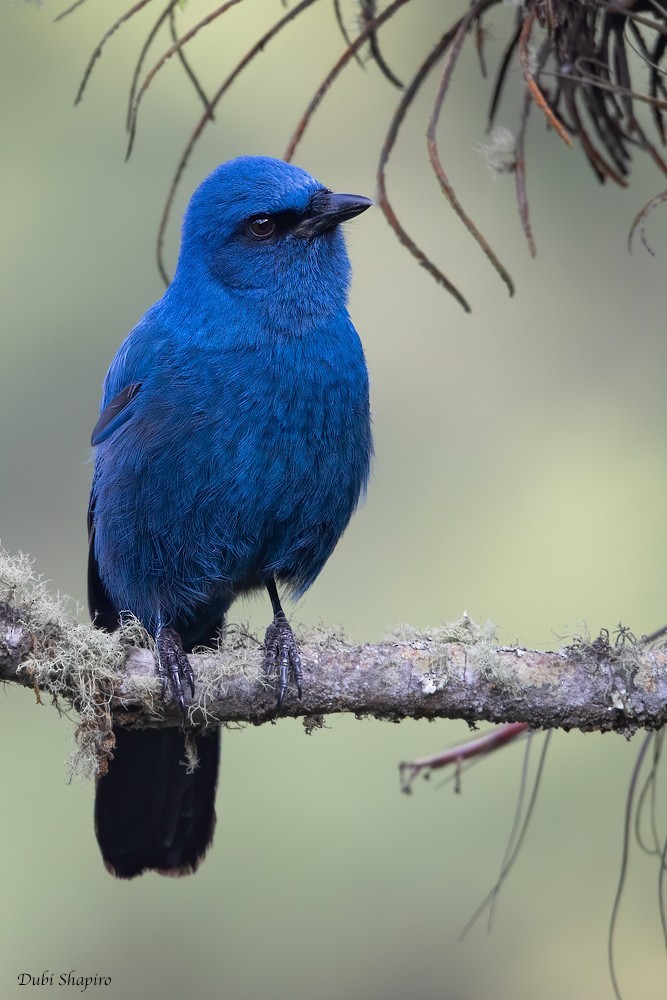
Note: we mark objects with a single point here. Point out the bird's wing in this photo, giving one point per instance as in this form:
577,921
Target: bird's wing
101,607
115,413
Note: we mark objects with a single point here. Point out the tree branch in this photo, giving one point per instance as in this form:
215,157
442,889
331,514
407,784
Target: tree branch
455,671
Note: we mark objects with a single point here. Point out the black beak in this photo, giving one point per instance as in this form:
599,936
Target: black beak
326,210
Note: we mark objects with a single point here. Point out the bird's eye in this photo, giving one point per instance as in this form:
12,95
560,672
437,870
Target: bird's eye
262,227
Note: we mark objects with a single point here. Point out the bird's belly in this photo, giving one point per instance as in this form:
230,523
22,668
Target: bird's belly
210,513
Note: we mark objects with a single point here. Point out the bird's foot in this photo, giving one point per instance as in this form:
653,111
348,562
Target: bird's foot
281,656
173,666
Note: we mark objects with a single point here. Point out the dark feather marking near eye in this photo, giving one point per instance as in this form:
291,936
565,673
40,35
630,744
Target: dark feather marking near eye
285,222
115,407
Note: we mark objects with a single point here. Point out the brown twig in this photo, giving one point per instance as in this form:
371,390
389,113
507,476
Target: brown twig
602,169
368,11
432,145
479,47
176,47
340,64
409,770
69,10
389,142
627,12
520,176
501,74
531,83
640,220
189,72
338,14
97,52
148,41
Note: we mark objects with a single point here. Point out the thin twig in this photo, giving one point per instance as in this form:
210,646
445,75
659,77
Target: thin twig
624,862
333,73
520,167
640,220
659,632
649,791
501,75
97,52
520,176
479,47
432,144
617,8
595,83
531,83
190,73
389,142
602,169
480,746
510,859
368,9
338,14
662,901
183,40
515,830
142,55
656,82
69,10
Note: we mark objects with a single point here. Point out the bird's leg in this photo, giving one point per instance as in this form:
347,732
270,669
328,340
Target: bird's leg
173,665
281,652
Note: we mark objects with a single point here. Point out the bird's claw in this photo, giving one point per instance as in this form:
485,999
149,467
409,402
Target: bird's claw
173,665
281,656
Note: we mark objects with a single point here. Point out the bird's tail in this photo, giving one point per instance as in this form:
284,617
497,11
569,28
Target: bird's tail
150,813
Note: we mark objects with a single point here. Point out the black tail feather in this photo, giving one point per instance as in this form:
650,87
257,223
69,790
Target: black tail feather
150,814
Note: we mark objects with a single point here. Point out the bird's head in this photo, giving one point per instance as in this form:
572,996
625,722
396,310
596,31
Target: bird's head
269,234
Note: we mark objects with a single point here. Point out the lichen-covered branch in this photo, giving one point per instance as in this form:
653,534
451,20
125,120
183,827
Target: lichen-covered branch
454,671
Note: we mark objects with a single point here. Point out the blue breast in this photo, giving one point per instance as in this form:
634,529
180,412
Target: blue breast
244,457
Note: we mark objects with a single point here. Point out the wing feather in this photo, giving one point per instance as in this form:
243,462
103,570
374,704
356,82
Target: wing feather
115,414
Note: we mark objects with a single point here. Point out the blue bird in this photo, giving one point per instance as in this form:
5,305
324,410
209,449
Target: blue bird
233,445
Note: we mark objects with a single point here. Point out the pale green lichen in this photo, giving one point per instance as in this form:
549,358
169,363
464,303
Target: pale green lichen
191,753
496,671
236,654
436,642
332,639
462,630
621,656
73,662
499,153
239,653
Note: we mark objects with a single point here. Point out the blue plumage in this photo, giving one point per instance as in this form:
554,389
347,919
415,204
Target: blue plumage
234,438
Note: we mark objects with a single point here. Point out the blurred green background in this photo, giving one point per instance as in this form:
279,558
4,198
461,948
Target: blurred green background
520,476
